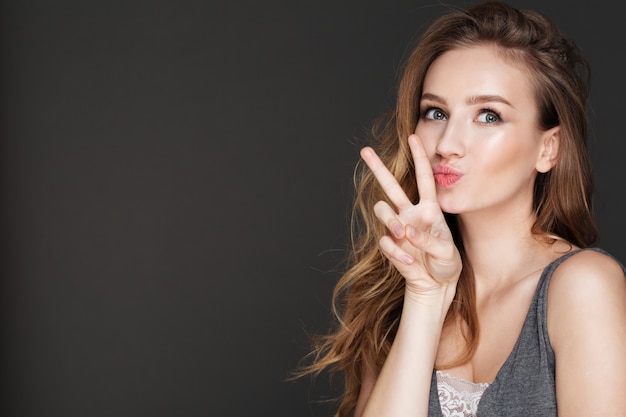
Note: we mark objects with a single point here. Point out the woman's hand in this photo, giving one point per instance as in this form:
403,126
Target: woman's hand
419,243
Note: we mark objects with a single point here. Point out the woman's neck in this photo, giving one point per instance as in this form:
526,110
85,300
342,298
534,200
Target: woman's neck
501,247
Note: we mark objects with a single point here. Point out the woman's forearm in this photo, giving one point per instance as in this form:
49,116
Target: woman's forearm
403,385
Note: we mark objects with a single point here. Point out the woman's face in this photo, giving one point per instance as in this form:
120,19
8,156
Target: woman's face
478,123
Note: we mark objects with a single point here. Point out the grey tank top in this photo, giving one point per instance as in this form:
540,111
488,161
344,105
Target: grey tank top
525,385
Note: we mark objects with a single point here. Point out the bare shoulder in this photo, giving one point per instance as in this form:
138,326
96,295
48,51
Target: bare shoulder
585,271
587,288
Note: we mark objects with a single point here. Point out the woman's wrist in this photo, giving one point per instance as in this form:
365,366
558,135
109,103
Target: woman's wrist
427,308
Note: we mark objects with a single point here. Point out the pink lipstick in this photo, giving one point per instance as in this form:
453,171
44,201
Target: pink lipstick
445,176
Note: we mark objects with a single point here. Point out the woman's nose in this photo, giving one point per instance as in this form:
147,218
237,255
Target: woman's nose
450,144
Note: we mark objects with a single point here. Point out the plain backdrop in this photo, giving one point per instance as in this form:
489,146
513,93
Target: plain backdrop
176,185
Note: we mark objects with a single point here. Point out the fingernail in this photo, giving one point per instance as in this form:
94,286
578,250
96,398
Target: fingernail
406,259
398,230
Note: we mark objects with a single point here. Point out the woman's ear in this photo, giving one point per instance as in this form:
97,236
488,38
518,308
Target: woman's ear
549,152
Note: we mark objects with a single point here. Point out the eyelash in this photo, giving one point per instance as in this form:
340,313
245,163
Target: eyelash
492,111
427,110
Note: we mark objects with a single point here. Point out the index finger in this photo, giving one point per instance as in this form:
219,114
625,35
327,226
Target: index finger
385,178
423,171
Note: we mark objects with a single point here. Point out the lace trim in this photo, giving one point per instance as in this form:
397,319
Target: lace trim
458,397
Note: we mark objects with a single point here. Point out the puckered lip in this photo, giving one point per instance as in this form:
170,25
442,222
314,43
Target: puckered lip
442,169
446,176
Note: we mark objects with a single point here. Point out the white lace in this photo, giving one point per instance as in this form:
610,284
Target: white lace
458,397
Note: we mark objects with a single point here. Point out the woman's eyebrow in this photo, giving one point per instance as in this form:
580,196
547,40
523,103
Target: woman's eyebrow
488,98
433,97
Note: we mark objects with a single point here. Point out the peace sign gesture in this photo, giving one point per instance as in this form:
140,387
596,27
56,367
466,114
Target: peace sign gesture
419,243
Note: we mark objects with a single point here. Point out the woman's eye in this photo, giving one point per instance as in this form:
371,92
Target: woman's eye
434,114
488,117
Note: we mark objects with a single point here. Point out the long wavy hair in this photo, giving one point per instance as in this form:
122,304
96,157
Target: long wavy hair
367,300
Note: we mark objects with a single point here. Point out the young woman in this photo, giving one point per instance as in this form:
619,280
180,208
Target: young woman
472,288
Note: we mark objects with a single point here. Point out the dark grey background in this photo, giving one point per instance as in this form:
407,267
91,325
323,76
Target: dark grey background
176,180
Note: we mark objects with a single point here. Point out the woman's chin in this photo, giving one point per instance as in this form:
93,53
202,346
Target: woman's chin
450,207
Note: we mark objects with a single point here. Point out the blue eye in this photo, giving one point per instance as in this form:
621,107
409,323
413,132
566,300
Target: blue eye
434,114
488,116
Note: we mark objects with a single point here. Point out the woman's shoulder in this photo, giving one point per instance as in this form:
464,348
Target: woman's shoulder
586,272
586,289
588,267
